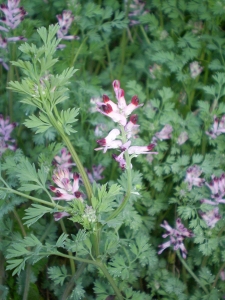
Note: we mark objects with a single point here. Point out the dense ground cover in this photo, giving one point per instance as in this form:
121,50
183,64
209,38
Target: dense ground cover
112,146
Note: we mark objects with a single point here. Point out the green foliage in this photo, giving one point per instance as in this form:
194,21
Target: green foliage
151,47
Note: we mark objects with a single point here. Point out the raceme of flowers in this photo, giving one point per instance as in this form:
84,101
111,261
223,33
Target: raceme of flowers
65,20
6,128
176,236
217,188
13,16
119,113
217,128
68,183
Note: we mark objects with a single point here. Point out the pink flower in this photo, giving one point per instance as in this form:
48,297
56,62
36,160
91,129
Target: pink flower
211,217
65,20
217,187
165,133
68,185
13,14
183,137
195,69
120,159
118,112
136,150
131,127
63,161
95,175
176,237
192,177
6,128
218,127
110,142
60,215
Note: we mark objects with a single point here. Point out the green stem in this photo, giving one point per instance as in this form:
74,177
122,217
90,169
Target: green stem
98,264
78,51
191,273
61,208
218,275
20,223
129,180
72,264
27,282
145,35
71,283
111,281
11,78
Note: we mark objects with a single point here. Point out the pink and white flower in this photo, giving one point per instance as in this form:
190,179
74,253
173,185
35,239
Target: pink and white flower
192,177
217,187
195,69
63,160
211,217
67,185
110,142
165,133
176,236
6,128
14,14
218,127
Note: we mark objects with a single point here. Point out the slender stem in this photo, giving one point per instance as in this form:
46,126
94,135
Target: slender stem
129,180
61,208
84,260
20,223
78,51
72,281
191,273
218,275
72,264
111,281
27,282
145,35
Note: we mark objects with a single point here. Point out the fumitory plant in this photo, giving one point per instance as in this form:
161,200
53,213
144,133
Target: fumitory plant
112,177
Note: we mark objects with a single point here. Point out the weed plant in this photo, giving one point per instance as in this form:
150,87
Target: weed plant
112,139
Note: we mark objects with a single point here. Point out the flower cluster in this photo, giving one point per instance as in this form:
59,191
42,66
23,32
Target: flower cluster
13,16
63,160
6,142
217,188
95,175
136,9
195,69
119,113
177,237
65,20
217,128
192,177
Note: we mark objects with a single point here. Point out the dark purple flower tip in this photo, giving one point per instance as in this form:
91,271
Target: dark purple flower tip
52,188
107,108
116,84
76,176
114,156
58,193
105,98
135,100
78,194
3,6
151,146
102,142
134,119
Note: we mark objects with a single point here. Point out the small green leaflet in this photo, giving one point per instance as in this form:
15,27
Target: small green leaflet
35,212
41,124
